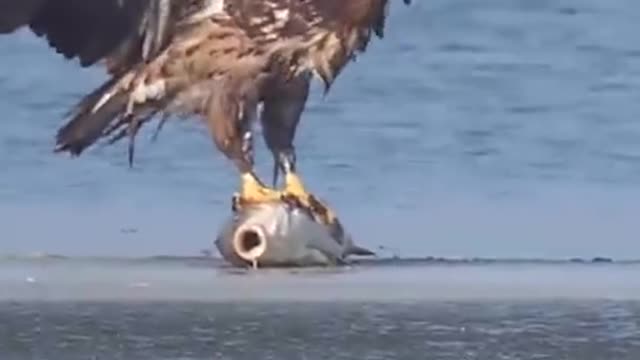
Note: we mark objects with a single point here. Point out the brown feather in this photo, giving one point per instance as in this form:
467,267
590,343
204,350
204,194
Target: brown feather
193,57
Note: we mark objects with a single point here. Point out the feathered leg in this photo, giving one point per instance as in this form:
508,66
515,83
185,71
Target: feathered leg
281,113
282,108
230,115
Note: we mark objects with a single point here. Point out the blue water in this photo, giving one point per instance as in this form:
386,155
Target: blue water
61,309
502,128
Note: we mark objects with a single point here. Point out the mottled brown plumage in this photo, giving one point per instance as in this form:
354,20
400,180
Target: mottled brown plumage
214,59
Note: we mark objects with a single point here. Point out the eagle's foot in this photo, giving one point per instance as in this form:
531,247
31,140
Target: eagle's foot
295,189
252,191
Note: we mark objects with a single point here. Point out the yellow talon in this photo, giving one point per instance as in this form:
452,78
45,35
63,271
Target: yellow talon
295,188
252,191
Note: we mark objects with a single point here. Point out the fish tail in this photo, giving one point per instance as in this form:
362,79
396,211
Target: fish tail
360,251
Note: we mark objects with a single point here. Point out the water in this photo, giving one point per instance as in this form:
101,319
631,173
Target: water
58,309
495,128
590,330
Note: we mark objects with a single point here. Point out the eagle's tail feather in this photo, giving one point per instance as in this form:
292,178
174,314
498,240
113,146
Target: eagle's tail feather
88,121
106,113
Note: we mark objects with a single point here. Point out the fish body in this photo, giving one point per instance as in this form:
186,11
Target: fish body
282,235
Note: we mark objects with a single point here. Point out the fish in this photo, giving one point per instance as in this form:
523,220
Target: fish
281,234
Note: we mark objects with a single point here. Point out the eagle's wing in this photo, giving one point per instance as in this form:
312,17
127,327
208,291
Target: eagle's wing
325,34
127,36
205,57
118,33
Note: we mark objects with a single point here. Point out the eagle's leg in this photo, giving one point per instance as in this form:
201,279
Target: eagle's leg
280,116
230,124
294,187
252,190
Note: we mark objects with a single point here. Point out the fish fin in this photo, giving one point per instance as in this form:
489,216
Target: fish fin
360,251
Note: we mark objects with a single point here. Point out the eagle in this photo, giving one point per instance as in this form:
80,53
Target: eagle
229,63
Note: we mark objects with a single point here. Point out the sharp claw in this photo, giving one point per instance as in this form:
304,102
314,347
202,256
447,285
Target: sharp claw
299,195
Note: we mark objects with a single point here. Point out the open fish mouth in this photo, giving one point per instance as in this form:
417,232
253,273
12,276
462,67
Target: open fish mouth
279,234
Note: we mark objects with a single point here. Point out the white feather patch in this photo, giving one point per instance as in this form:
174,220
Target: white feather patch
153,91
103,100
211,8
282,16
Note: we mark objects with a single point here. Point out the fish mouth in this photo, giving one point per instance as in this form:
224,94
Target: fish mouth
250,243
